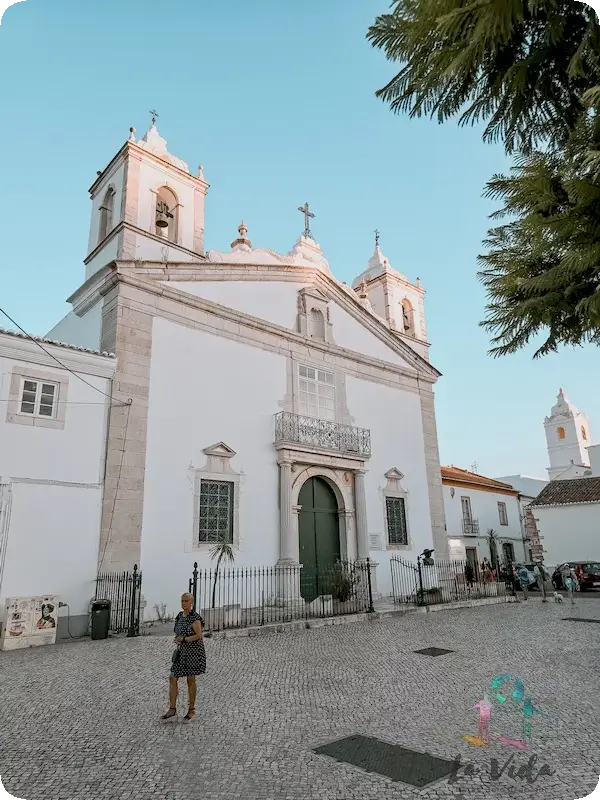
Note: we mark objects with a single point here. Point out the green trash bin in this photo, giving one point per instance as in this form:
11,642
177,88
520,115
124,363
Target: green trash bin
100,624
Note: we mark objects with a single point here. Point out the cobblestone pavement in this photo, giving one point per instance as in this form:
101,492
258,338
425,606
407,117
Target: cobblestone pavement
79,720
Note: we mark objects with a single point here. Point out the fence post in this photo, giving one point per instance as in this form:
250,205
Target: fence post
421,592
193,585
371,608
132,616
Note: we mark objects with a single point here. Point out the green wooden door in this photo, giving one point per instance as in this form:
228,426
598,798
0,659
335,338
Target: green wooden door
319,534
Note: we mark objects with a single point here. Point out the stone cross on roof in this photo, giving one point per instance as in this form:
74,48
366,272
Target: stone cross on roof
308,215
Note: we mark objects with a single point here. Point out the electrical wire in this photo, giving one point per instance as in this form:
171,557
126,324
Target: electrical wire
66,605
112,513
58,361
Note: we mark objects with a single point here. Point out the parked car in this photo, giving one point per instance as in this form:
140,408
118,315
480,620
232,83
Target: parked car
588,575
533,584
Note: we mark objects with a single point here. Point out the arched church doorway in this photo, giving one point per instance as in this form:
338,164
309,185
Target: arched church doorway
319,534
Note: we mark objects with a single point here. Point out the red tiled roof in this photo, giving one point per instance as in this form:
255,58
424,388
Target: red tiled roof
564,493
464,476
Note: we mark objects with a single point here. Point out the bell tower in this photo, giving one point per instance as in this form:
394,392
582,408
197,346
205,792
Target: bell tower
568,437
146,205
393,298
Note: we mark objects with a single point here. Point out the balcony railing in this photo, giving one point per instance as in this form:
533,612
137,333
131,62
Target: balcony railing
322,434
470,527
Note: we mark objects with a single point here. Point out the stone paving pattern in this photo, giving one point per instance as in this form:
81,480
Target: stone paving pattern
80,720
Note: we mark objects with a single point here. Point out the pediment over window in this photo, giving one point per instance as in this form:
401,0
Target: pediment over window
314,319
219,450
394,476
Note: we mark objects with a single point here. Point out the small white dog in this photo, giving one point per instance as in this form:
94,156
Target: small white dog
558,598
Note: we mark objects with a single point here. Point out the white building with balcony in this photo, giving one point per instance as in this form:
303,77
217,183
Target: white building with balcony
474,506
54,405
273,406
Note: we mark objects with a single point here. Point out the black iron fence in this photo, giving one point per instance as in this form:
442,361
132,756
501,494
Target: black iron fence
242,597
420,584
124,590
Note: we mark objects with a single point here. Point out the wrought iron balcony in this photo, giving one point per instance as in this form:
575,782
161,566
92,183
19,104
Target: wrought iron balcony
322,434
470,527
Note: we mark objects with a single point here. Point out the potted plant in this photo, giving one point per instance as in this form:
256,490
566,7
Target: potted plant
341,581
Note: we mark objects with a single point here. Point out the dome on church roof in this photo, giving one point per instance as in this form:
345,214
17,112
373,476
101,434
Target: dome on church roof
378,265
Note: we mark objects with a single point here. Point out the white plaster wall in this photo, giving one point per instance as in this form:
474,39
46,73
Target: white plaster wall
52,545
74,454
274,301
104,256
569,533
394,419
594,458
277,302
484,509
377,300
150,249
152,177
115,180
204,390
351,334
525,484
81,331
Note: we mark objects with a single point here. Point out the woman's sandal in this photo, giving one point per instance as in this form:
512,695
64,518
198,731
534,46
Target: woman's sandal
170,716
190,715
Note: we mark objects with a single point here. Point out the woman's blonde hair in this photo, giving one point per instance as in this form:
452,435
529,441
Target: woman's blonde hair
187,596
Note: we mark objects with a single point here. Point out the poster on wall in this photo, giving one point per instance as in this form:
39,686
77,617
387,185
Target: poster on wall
18,614
29,621
44,620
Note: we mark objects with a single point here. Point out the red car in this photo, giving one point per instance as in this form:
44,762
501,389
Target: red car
588,575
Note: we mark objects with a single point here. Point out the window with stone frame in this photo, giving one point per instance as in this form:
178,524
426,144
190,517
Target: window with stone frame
106,214
395,508
38,399
316,393
215,518
502,514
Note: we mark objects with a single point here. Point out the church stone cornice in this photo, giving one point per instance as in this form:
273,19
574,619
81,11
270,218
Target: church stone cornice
132,150
322,281
127,226
171,303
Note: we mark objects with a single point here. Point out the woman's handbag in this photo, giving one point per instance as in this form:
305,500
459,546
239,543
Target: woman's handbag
176,655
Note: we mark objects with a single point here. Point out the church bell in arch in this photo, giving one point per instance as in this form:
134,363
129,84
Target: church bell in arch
163,215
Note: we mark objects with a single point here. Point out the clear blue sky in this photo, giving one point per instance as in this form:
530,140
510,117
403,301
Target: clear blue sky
276,100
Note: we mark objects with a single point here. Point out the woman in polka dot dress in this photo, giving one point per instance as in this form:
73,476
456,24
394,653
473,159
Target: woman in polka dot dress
189,659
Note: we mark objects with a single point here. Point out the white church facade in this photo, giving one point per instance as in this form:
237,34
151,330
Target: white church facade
267,404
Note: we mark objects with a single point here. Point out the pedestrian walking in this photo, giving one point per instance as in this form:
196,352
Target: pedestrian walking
542,577
570,582
188,660
523,579
469,574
